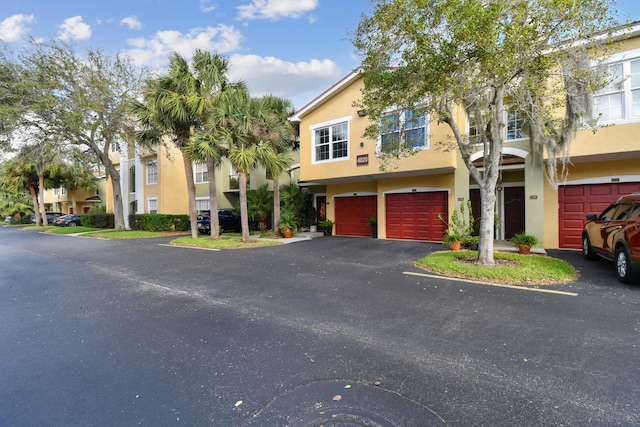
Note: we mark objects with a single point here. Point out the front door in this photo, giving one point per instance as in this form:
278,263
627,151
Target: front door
513,211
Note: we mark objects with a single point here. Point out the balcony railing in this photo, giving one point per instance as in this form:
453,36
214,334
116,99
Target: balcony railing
234,182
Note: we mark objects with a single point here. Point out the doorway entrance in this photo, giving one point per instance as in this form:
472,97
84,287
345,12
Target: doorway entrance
510,211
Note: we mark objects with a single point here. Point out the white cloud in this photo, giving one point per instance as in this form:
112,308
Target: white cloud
14,27
276,9
74,29
154,52
299,82
131,22
206,6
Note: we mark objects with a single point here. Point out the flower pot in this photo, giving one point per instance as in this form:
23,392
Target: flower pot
455,246
327,231
287,233
524,249
313,228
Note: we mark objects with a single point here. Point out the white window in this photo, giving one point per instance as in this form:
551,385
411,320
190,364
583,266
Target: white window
200,173
203,204
152,205
609,101
404,130
515,123
619,100
114,147
476,128
56,192
63,191
331,140
152,172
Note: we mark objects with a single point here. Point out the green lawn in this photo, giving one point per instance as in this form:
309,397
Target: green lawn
225,242
510,268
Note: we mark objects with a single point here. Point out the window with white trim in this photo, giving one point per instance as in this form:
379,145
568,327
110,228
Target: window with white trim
201,175
152,171
152,205
619,100
203,204
404,130
609,101
515,123
331,141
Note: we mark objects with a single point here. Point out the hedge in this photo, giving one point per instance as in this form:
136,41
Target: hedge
158,222
98,220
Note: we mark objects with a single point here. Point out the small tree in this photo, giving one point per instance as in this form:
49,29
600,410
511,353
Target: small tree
486,57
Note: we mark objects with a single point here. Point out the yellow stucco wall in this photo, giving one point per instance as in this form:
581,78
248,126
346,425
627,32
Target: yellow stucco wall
341,106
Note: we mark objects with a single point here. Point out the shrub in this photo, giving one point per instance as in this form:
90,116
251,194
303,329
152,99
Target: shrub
99,220
158,222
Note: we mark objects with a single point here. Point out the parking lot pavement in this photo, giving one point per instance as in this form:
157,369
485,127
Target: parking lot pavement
326,330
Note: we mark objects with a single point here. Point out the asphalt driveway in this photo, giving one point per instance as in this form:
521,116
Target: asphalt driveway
331,331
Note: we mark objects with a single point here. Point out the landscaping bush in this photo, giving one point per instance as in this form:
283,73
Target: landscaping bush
98,220
158,222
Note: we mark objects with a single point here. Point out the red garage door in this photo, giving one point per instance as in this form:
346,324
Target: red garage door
414,216
576,201
352,214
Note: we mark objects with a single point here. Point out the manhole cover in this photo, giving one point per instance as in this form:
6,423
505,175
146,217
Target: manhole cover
344,418
311,405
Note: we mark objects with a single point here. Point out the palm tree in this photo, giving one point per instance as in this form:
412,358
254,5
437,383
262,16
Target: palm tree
282,139
19,175
210,86
259,204
166,110
247,124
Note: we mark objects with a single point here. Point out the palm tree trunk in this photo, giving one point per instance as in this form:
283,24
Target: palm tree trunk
213,200
276,205
191,192
36,204
243,206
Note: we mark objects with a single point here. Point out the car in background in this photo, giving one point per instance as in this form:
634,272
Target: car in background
69,220
615,236
229,221
51,217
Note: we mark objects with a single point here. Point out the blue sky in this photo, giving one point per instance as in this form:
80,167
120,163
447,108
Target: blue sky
291,48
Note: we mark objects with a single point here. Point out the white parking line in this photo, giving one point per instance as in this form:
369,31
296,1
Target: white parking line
498,285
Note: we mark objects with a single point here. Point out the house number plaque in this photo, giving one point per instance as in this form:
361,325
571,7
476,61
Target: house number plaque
362,160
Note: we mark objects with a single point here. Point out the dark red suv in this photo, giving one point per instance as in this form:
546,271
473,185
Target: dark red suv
615,235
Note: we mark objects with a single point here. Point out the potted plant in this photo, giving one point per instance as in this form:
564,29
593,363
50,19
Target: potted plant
452,239
287,223
471,242
373,223
524,242
327,226
459,227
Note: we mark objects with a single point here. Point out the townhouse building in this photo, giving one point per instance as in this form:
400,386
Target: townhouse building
154,181
341,167
61,199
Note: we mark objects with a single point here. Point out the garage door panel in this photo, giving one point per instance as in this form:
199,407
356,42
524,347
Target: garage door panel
576,201
414,216
352,214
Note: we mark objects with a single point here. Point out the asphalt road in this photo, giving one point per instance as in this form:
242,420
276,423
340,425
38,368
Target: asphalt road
331,331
